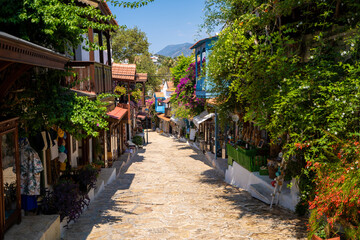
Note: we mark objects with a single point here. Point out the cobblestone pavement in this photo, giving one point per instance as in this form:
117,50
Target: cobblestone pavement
169,192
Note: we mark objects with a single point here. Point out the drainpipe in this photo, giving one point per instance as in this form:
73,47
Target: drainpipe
216,133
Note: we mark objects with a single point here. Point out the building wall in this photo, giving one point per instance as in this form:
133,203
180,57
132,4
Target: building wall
74,155
160,109
91,157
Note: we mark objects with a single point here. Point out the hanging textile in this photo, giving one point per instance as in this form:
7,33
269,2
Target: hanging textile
30,168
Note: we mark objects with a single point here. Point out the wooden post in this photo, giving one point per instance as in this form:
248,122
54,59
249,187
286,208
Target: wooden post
107,35
129,109
105,149
101,52
91,39
143,97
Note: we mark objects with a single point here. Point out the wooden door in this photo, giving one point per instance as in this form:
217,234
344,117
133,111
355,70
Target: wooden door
10,203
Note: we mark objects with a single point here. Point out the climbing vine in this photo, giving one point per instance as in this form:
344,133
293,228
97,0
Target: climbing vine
293,68
184,102
43,103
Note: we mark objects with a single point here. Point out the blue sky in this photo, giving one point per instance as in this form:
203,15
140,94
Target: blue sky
165,22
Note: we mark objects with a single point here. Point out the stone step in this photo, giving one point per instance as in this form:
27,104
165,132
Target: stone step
44,227
99,187
106,176
261,192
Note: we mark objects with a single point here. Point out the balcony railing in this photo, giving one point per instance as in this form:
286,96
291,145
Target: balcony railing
91,77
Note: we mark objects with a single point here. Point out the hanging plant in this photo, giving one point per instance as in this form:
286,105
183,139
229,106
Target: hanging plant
136,94
119,90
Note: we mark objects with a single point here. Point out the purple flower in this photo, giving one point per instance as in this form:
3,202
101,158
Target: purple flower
97,124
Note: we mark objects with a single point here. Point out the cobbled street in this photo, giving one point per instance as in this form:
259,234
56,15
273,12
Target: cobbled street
169,192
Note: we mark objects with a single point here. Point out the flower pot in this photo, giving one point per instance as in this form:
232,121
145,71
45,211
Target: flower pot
314,237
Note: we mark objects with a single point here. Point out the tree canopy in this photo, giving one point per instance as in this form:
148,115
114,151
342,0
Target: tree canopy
56,24
127,43
292,67
144,64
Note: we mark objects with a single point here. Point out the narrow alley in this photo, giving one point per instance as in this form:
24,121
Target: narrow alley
168,192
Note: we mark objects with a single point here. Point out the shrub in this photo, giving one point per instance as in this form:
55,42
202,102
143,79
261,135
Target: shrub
138,140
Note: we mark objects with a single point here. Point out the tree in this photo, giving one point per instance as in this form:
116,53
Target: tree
128,43
293,69
56,24
61,26
144,64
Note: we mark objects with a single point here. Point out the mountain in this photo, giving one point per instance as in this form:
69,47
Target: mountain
176,50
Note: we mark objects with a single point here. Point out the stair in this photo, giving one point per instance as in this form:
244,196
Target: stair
106,176
261,192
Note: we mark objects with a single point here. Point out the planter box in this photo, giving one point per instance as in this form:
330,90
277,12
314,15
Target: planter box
246,158
314,237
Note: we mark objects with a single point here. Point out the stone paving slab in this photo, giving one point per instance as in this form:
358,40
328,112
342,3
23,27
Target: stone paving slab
169,192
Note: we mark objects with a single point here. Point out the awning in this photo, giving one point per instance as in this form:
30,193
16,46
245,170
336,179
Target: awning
118,113
162,116
159,94
177,121
141,117
202,118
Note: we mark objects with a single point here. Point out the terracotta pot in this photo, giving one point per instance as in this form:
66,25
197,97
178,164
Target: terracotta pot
314,237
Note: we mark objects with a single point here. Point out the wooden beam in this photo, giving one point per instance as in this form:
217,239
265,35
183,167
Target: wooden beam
101,52
16,50
108,46
10,78
91,39
4,65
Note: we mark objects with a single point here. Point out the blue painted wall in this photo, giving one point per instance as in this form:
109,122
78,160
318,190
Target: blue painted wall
159,109
203,84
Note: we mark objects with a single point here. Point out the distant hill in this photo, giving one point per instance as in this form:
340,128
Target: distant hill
176,50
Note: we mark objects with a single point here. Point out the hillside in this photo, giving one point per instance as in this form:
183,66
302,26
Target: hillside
176,50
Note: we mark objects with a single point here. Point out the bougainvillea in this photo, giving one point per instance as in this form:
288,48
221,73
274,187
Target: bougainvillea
184,101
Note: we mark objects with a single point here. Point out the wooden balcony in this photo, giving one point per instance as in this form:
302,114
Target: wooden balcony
91,77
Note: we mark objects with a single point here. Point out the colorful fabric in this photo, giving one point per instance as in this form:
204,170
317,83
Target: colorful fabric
62,148
30,168
28,202
60,133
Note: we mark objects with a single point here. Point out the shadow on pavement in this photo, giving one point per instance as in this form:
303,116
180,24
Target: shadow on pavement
109,207
105,209
247,206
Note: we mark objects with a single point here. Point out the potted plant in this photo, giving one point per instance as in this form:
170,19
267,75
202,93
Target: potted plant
86,177
97,164
69,200
119,90
323,231
138,140
10,195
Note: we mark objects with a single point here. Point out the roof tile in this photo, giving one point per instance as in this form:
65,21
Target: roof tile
123,72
